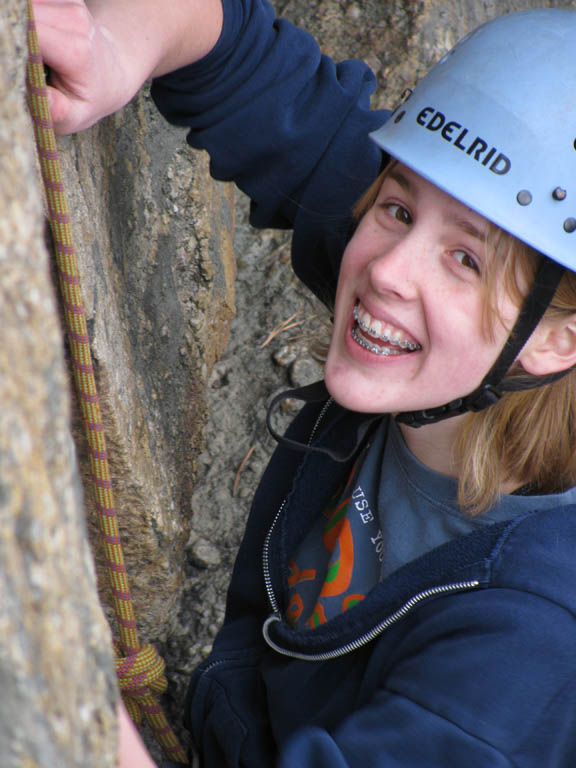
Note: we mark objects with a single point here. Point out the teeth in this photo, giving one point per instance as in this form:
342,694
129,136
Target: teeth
384,351
376,329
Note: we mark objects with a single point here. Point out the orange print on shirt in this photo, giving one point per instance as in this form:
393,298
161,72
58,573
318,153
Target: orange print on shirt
338,532
296,575
350,601
318,617
295,608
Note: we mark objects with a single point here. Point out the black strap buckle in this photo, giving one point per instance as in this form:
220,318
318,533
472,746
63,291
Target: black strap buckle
483,397
432,415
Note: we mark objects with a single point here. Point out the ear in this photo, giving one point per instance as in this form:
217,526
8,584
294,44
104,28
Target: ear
551,348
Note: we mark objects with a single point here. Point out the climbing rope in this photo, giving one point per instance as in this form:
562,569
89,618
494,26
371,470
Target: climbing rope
139,669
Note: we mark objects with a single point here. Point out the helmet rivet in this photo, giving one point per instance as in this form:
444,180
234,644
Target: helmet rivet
570,225
399,116
559,194
524,197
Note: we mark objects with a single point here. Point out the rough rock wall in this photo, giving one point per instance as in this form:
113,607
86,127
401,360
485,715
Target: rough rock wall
153,233
57,690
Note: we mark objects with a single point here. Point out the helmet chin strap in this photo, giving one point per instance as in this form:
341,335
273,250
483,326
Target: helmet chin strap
493,386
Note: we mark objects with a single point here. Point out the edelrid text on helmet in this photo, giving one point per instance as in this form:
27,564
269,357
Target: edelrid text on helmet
464,140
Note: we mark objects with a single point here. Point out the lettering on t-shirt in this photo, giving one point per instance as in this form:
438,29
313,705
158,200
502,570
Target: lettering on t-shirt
362,505
378,543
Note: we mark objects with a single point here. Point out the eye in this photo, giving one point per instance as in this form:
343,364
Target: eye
398,212
466,260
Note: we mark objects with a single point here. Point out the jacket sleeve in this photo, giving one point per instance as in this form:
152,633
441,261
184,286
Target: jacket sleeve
285,123
483,680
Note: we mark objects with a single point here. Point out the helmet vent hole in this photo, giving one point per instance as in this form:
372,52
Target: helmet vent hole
559,194
570,225
399,116
524,197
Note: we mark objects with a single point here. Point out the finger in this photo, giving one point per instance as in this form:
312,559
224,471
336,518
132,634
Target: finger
56,5
65,38
72,15
69,114
59,109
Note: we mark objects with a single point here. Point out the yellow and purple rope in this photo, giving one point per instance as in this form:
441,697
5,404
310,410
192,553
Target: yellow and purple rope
139,669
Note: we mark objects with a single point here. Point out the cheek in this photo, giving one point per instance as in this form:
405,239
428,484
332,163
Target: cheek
351,262
361,249
508,311
350,269
465,349
356,255
475,352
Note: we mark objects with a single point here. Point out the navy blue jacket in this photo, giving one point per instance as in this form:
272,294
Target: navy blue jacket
463,657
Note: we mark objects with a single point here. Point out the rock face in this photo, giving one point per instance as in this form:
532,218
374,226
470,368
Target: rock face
184,413
154,239
57,702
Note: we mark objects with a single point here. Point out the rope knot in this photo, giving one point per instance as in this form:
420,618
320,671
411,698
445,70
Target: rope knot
141,672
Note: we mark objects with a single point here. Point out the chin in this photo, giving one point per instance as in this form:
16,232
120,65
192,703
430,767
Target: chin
353,395
353,391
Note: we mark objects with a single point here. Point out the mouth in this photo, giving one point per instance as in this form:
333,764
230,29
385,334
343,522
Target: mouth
380,337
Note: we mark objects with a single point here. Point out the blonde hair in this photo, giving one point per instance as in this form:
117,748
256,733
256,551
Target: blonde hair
528,436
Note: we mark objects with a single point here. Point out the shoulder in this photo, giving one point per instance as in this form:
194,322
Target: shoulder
537,553
499,662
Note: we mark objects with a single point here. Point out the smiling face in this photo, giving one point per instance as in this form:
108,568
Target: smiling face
408,321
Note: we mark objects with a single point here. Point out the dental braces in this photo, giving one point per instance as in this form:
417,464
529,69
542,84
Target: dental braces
402,343
384,351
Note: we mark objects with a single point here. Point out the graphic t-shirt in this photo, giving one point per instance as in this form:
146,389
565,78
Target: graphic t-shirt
339,561
392,510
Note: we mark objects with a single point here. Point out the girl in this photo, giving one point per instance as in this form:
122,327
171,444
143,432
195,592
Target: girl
404,591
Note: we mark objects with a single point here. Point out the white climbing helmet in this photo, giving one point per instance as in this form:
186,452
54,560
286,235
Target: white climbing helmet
494,125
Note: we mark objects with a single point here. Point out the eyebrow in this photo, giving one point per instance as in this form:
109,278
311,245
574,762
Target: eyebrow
400,179
473,231
463,224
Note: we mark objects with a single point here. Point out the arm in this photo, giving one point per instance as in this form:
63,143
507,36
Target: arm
287,124
101,53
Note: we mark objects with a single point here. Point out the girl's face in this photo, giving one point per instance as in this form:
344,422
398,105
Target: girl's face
408,322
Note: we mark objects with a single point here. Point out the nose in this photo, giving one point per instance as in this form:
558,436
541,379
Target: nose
399,268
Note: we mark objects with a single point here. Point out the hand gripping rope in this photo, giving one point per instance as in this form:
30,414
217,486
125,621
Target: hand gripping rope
139,668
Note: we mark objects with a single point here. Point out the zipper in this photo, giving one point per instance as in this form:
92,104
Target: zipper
382,626
321,415
266,550
266,565
211,666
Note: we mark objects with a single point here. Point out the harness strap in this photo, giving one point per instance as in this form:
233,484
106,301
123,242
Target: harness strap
317,393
